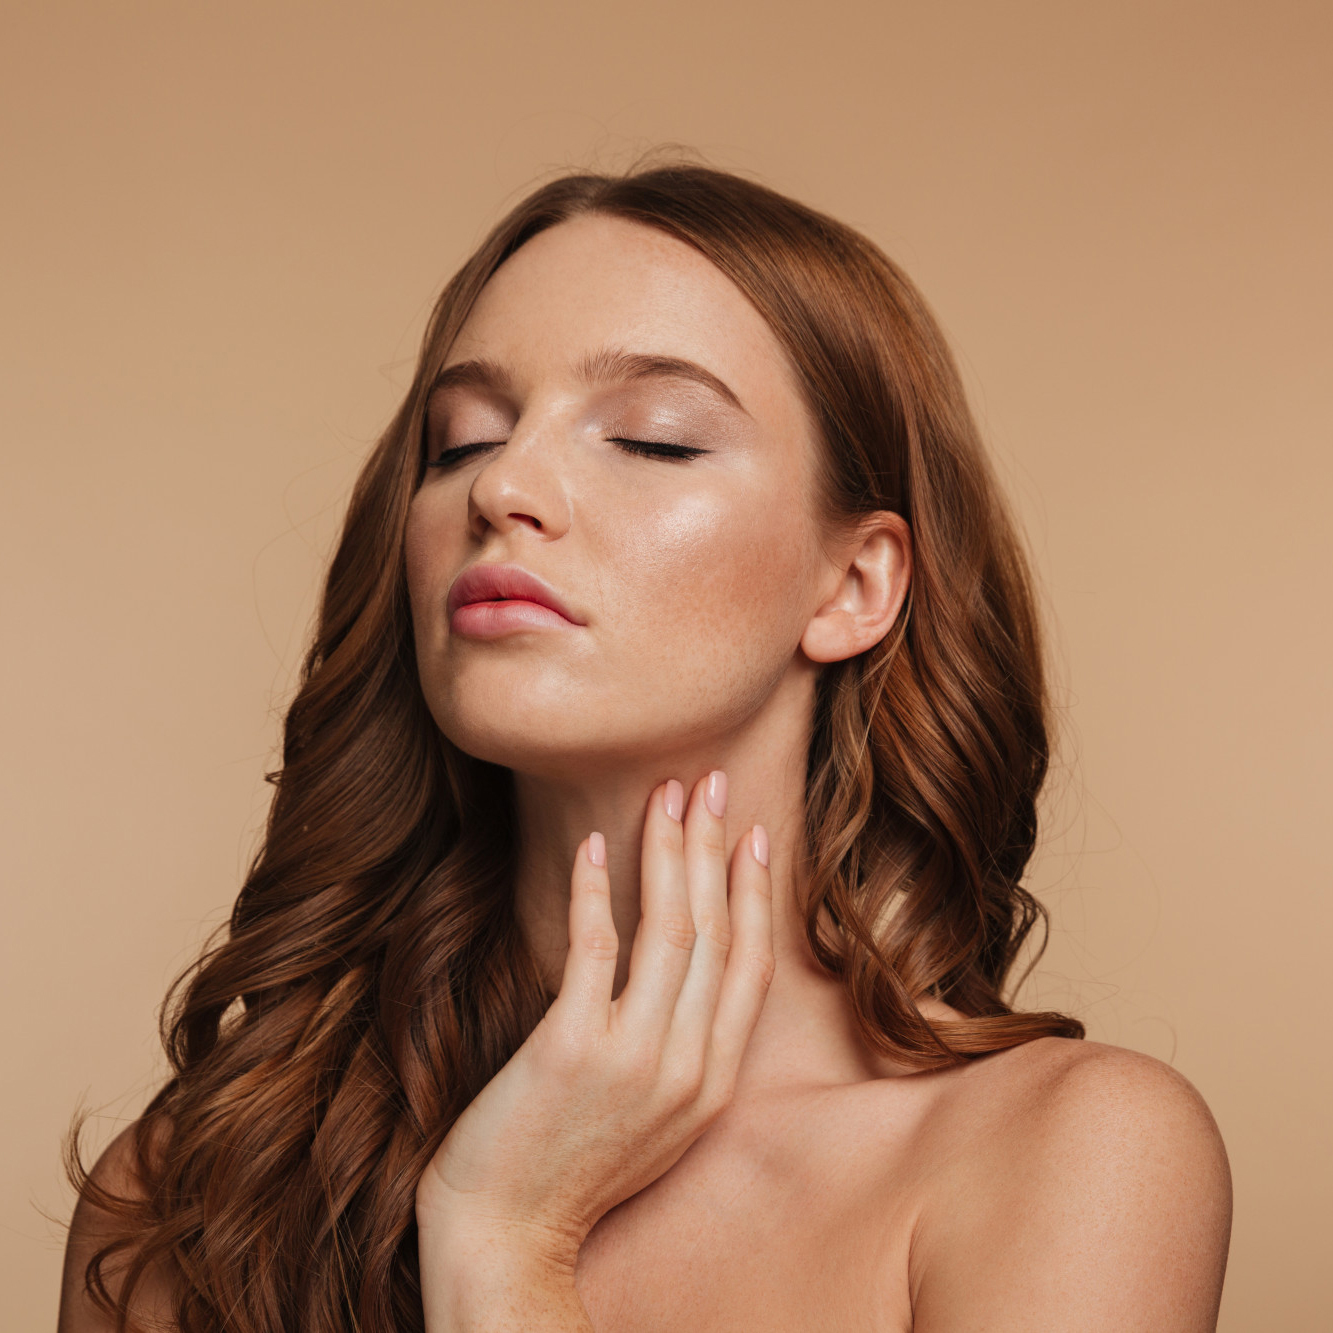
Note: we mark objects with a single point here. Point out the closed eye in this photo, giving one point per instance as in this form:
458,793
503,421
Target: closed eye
644,448
657,449
447,457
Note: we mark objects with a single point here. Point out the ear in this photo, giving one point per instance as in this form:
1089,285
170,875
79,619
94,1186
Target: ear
869,576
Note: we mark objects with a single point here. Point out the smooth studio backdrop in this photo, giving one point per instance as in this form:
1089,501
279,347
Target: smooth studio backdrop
222,229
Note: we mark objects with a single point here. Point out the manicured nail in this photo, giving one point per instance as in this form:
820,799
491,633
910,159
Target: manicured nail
759,844
675,799
596,849
715,794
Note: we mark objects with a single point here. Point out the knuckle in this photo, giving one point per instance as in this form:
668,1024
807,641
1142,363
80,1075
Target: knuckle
761,965
711,838
599,942
677,929
714,1099
684,1081
667,839
715,929
639,1065
590,889
566,1050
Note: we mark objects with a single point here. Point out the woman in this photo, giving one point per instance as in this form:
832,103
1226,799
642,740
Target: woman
628,943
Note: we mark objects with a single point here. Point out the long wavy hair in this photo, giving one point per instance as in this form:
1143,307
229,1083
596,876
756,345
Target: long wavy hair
373,978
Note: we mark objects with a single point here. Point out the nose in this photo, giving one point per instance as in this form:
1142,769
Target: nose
520,484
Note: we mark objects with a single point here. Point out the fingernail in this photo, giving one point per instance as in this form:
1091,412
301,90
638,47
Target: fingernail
715,794
759,844
675,799
596,849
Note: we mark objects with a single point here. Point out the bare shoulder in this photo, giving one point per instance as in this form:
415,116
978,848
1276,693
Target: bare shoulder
1128,1119
1082,1186
1055,1087
114,1175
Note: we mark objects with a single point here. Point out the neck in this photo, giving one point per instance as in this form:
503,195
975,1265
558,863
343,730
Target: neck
805,1033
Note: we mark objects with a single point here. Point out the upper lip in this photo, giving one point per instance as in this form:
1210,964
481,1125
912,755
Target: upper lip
493,582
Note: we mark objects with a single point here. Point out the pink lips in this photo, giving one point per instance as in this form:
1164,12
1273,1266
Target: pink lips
491,599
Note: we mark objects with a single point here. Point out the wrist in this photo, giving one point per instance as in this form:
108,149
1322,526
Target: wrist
453,1226
493,1274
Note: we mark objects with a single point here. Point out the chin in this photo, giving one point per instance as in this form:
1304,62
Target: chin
562,743
549,741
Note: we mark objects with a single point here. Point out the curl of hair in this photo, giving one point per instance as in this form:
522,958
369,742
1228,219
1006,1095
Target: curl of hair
373,978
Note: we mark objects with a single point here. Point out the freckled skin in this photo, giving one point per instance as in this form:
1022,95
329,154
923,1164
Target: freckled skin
710,596
1056,1185
836,1189
711,600
697,578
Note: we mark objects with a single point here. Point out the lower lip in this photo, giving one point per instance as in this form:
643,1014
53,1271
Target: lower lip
489,620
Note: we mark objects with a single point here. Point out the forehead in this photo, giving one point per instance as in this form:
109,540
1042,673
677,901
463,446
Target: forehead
596,281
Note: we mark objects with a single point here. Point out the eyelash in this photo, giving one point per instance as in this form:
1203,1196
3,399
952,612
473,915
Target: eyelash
644,448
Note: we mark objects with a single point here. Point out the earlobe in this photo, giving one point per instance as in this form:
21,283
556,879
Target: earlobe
871,578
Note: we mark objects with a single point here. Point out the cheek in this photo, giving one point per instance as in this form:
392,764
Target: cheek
428,553
719,580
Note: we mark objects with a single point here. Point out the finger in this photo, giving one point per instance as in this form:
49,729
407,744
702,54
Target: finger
590,964
750,963
706,871
664,938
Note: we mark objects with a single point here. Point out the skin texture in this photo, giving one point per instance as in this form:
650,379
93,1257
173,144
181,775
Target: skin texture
709,600
696,1136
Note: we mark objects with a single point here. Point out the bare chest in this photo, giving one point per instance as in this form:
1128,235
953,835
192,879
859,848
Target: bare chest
780,1223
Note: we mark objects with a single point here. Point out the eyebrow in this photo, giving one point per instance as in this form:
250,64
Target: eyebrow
478,374
614,364
609,366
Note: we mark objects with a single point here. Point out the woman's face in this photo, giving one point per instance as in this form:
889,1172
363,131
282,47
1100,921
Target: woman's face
692,578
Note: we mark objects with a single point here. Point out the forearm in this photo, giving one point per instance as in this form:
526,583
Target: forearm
491,1285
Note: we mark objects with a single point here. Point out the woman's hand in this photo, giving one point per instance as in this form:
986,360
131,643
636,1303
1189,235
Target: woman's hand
605,1095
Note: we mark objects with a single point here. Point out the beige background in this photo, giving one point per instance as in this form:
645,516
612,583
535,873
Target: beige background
222,228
